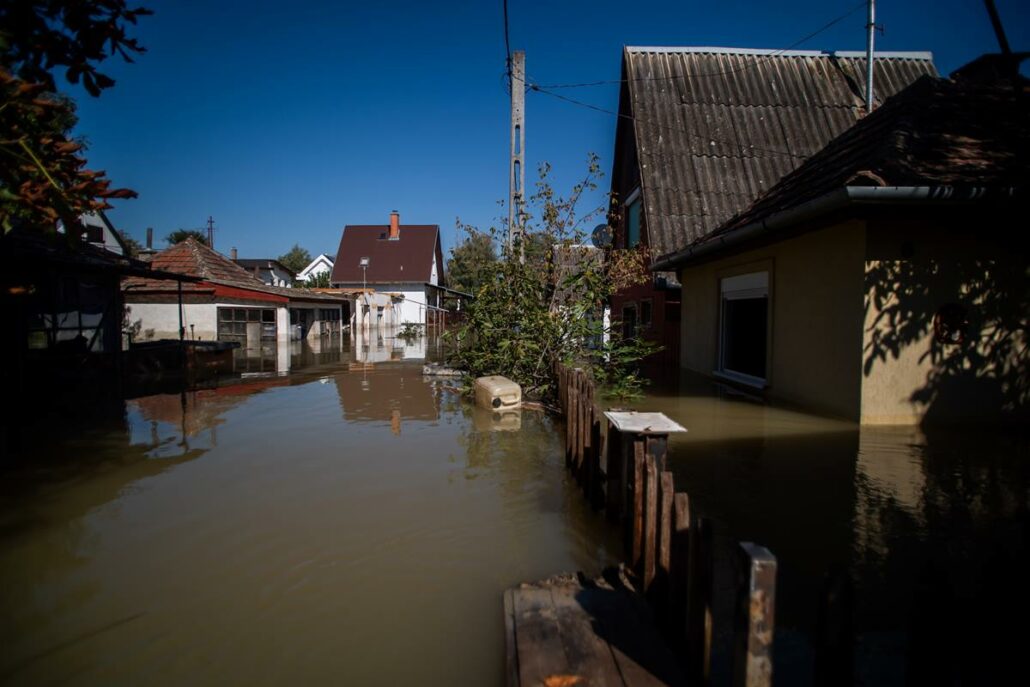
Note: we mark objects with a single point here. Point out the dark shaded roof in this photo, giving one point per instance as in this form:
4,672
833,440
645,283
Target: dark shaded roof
24,247
717,127
407,259
957,140
262,263
196,259
937,132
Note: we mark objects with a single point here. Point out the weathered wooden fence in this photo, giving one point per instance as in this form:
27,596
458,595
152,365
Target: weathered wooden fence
668,545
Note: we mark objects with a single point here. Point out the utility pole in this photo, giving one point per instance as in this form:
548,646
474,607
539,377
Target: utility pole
870,33
211,232
517,168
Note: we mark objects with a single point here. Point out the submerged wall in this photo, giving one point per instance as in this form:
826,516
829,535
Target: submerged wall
815,316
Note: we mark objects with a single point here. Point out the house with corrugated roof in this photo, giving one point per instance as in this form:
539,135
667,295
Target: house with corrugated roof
228,303
397,268
703,131
885,279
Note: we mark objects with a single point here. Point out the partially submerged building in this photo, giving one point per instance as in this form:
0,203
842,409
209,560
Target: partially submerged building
885,280
227,303
704,131
399,268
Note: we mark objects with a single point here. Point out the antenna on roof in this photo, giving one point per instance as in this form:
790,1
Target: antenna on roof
999,30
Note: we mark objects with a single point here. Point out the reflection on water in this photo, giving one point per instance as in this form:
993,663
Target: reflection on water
930,525
350,524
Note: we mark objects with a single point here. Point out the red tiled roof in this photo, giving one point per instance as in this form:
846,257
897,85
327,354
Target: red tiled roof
407,259
198,260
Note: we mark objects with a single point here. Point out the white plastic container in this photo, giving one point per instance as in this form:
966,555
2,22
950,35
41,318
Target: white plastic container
498,393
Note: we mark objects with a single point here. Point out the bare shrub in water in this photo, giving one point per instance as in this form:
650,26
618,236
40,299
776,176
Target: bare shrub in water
548,307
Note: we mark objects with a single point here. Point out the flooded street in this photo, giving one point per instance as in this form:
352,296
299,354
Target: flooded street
930,524
346,523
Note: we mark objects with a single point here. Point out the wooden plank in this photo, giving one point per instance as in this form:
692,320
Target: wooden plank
699,603
649,550
635,422
679,567
588,654
613,474
635,529
754,623
537,639
511,664
656,446
596,475
835,632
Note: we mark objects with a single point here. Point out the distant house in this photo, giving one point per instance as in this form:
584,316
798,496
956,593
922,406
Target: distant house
95,229
704,131
322,264
884,280
400,266
228,304
267,270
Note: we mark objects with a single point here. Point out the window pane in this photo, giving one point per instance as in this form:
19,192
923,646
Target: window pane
268,316
225,314
253,315
241,315
744,335
645,314
633,224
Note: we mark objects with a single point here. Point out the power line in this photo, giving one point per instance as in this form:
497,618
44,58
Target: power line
751,65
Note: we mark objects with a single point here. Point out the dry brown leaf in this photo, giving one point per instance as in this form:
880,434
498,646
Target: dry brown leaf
562,680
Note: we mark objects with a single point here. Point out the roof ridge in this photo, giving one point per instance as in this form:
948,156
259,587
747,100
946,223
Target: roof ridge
777,52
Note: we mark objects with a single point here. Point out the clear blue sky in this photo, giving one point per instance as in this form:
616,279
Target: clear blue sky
286,121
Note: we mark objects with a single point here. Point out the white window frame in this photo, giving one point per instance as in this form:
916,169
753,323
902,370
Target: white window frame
740,287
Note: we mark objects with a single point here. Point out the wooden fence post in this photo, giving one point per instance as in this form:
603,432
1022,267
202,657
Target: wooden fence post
679,567
613,473
635,504
596,493
699,603
754,624
835,633
649,549
663,545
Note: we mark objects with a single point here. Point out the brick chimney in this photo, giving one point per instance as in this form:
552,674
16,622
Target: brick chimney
395,225
150,238
232,254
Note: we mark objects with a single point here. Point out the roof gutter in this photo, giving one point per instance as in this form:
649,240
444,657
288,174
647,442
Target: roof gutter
834,200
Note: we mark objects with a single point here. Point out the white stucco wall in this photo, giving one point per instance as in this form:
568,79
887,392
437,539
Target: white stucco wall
318,266
161,320
412,309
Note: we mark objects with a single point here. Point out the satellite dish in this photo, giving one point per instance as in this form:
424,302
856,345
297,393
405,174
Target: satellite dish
601,236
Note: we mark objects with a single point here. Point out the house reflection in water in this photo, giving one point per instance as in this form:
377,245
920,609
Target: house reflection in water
387,394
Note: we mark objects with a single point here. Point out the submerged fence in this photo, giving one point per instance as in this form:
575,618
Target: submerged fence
668,545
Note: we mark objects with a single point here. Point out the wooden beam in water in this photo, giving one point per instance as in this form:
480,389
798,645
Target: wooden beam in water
754,623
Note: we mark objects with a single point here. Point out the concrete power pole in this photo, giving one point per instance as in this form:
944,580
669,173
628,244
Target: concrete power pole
517,168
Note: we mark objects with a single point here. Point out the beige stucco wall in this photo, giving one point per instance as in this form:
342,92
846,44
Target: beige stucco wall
912,270
815,291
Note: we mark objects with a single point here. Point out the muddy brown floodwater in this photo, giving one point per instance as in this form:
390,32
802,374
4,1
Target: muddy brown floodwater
342,524
931,525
